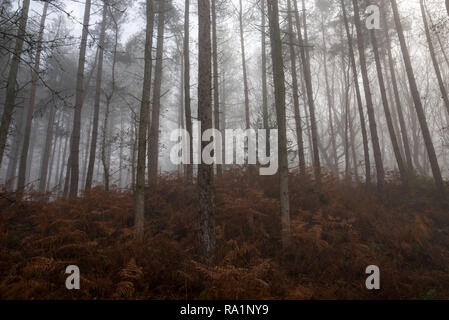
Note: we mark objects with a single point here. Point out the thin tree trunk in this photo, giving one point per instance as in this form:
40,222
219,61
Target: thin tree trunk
393,138
75,141
47,150
143,124
346,105
121,147
439,39
369,102
418,104
307,118
359,99
397,99
279,92
435,63
188,111
30,109
104,144
14,153
63,165
10,99
34,135
106,149
329,103
181,106
216,75
299,137
353,148
58,160
133,156
87,148
264,78
245,74
206,217
93,143
51,164
155,118
310,98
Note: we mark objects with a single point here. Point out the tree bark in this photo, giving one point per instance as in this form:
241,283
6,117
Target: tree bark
369,102
397,99
47,149
435,63
155,118
216,75
14,153
188,111
75,141
310,98
143,125
206,218
30,111
12,77
264,77
393,138
108,127
335,169
279,92
359,98
94,139
298,127
436,171
245,74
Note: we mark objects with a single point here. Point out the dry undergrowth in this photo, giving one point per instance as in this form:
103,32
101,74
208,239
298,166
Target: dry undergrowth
336,233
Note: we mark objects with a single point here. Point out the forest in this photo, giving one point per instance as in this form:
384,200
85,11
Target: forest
224,149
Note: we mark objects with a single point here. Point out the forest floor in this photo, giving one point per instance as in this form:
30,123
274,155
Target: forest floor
336,233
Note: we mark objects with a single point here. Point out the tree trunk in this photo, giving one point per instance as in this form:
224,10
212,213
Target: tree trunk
216,75
87,147
264,79
143,125
75,141
359,98
279,92
394,141
346,104
14,153
434,58
58,159
188,111
397,99
299,137
245,75
206,218
329,103
418,104
106,149
369,102
47,150
30,110
155,118
63,166
310,98
12,77
105,143
93,143
51,164
443,51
